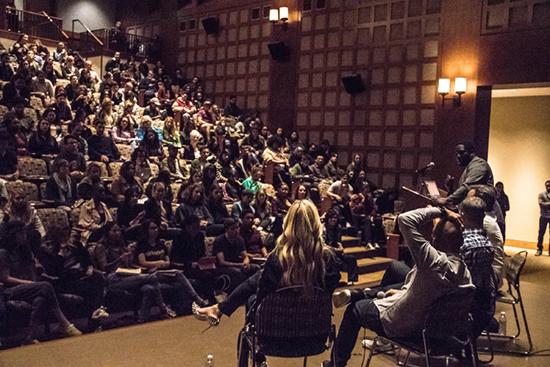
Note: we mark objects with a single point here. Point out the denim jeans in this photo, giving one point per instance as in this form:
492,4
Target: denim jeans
148,285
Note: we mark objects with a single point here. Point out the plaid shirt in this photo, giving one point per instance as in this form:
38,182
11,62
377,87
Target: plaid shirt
478,254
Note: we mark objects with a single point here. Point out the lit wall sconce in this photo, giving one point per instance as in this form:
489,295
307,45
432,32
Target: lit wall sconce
279,14
445,87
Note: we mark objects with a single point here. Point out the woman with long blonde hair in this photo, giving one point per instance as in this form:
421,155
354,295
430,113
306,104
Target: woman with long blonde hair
300,258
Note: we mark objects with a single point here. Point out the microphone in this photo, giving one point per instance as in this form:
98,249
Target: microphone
381,295
428,166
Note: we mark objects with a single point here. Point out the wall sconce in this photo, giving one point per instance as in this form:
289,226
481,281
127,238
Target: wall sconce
444,88
279,14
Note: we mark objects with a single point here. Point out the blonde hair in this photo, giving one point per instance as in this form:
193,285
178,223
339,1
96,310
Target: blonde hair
300,249
23,213
172,132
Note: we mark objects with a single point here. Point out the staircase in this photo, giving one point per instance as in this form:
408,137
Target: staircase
371,263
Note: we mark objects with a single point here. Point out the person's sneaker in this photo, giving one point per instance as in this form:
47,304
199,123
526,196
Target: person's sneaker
369,246
381,345
538,253
100,313
340,299
376,246
71,331
169,313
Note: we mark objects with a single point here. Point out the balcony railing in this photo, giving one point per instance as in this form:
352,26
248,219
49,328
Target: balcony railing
33,24
125,43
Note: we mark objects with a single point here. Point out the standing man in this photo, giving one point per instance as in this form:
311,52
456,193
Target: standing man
477,172
544,203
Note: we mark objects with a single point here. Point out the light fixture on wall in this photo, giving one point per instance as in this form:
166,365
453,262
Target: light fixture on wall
444,88
281,14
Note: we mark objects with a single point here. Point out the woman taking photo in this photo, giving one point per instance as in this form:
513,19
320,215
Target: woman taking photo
300,258
153,255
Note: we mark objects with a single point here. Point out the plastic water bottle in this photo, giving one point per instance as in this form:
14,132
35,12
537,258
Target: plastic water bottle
502,324
209,361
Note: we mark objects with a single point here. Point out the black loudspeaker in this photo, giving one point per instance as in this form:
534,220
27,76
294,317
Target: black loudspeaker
279,51
211,25
353,84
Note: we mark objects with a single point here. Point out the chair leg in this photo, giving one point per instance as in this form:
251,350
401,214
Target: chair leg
474,354
426,355
305,361
372,351
525,323
517,322
406,358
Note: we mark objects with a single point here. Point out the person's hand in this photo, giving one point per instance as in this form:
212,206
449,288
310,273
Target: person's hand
438,201
338,198
104,159
127,256
165,265
203,223
89,271
456,216
194,265
391,292
256,221
164,226
138,218
449,182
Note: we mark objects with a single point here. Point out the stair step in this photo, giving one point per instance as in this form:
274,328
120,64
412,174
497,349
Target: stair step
370,265
349,241
361,252
365,280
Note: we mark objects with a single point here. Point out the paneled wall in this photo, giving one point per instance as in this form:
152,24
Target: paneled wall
394,46
234,62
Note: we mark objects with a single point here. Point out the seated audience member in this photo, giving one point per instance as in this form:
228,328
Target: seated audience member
71,90
62,110
164,177
216,205
231,109
158,209
265,133
318,169
386,201
112,253
130,214
354,168
94,214
151,144
244,203
34,65
21,283
146,124
123,132
362,214
332,235
87,80
60,53
232,188
186,130
192,151
71,265
15,88
92,181
184,106
79,131
492,229
152,254
6,71
262,210
325,149
245,164
279,132
251,236
478,254
302,172
101,147
76,160
193,204
164,94
254,142
116,95
153,110
226,163
17,138
106,114
130,112
82,103
253,183
209,176
172,164
18,112
332,168
340,191
60,188
42,88
51,74
200,163
231,255
219,143
125,181
285,267
170,135
25,72
69,69
19,209
296,156
294,141
142,164
42,142
282,201
105,85
438,270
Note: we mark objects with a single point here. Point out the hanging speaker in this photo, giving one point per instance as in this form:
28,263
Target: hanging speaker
353,84
279,51
211,25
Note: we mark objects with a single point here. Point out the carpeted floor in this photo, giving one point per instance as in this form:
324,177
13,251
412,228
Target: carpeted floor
182,343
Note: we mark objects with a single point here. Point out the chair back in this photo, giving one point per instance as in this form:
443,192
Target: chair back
447,322
290,324
32,166
53,216
29,188
514,268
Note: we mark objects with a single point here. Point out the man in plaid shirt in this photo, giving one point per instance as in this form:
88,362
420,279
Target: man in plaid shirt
478,254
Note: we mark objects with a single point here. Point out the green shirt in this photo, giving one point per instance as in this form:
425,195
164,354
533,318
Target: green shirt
253,186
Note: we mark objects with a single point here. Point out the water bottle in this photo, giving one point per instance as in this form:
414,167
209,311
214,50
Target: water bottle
209,361
502,324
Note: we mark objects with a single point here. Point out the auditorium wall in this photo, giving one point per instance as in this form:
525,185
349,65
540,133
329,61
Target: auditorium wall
94,14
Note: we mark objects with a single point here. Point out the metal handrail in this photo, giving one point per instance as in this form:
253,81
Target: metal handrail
31,12
31,23
87,30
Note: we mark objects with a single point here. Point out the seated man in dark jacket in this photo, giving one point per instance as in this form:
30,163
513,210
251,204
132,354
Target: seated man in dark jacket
15,88
102,148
